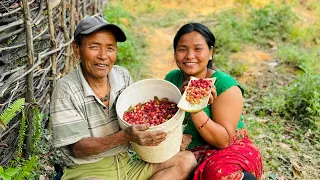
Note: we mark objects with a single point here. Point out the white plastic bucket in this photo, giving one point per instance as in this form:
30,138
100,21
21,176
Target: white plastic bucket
143,91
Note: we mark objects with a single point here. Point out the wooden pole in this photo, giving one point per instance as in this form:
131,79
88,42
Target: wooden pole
52,43
84,8
72,24
30,89
66,68
78,13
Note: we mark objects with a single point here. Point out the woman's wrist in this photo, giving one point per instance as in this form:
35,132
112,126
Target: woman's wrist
204,124
200,119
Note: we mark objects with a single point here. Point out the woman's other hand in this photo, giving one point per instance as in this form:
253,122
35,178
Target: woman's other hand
213,94
184,86
186,140
137,133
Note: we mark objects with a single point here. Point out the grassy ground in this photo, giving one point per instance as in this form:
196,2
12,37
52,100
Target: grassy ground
271,47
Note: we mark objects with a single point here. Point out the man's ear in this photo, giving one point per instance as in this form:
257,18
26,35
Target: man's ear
76,49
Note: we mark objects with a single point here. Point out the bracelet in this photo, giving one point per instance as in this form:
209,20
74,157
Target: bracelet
204,124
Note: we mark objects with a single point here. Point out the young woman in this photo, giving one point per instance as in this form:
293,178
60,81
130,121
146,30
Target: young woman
216,134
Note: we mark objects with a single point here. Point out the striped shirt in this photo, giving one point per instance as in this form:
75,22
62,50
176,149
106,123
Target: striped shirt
76,113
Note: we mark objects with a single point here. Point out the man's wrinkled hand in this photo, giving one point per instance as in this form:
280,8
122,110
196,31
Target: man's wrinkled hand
138,134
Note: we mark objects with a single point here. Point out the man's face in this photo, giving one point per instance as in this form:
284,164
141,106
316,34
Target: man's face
97,52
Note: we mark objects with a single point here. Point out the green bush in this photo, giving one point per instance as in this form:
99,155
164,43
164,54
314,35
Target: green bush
230,32
131,53
299,102
272,22
302,101
305,59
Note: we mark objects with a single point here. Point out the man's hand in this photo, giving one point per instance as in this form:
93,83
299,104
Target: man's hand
186,140
138,134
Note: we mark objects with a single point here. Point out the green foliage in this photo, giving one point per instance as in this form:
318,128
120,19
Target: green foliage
237,69
10,112
8,173
272,22
302,101
27,169
22,133
305,59
306,36
299,101
38,117
117,14
20,172
245,2
230,32
165,21
130,53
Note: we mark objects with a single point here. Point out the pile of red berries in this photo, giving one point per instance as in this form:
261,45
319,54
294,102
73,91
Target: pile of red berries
197,90
153,112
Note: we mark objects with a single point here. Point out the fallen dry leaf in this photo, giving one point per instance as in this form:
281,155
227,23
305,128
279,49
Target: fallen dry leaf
285,146
295,168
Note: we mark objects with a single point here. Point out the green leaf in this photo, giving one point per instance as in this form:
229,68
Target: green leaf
5,177
11,171
12,110
1,170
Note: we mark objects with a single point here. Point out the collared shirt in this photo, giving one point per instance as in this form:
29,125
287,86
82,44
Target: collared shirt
76,113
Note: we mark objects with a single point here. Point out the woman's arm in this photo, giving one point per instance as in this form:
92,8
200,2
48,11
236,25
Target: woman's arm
225,111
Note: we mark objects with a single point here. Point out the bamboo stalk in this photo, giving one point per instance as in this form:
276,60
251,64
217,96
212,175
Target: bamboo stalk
84,8
52,42
79,11
66,68
30,60
72,24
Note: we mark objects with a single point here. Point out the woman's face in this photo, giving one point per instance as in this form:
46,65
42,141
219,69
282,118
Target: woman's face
192,54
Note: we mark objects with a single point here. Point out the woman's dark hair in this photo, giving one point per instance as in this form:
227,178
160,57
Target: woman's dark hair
203,30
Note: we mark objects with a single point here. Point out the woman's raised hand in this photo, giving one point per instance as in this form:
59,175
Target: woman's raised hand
184,86
213,94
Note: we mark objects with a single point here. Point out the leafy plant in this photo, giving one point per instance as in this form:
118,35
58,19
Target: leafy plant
230,32
20,172
8,173
38,117
130,53
10,112
22,134
302,101
26,169
272,22
300,57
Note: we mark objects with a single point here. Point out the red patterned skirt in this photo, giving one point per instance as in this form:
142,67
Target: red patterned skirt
228,163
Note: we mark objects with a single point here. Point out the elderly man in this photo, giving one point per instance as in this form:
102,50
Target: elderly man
84,118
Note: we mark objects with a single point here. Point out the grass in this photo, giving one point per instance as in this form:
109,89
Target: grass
131,53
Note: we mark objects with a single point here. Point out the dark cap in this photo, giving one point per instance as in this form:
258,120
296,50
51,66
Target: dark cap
93,23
